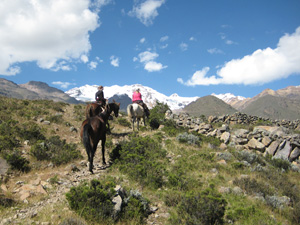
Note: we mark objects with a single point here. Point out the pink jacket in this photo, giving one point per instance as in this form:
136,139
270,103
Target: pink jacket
136,96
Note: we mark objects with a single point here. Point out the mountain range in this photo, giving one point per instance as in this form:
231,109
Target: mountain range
281,104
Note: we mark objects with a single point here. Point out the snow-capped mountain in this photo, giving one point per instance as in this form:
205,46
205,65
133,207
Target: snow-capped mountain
228,97
149,95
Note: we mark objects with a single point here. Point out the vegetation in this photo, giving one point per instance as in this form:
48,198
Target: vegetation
183,174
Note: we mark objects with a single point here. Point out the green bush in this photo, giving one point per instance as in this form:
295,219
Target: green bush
55,150
171,129
123,122
280,163
188,138
142,158
136,207
157,115
93,202
17,161
206,207
252,186
55,119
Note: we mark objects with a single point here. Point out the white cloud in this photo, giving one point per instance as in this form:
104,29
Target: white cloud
147,58
45,32
193,39
84,58
183,46
93,65
262,66
115,61
146,11
62,84
142,40
154,66
215,51
164,38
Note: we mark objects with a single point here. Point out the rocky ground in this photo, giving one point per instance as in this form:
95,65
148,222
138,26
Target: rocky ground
41,192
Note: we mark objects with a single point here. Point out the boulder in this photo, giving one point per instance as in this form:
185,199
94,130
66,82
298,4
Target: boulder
284,150
255,144
272,149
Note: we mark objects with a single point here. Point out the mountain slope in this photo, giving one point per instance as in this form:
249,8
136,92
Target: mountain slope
12,90
274,107
209,105
34,90
47,92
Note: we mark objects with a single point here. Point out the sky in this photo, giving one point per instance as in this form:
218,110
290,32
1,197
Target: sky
188,47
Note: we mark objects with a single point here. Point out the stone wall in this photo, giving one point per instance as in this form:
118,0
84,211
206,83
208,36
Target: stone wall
278,138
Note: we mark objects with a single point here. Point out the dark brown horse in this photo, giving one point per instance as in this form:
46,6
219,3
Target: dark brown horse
93,130
94,109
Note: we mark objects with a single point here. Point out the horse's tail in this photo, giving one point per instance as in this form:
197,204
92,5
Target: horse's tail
130,112
86,139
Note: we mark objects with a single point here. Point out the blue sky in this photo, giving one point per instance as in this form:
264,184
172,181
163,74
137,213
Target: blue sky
188,47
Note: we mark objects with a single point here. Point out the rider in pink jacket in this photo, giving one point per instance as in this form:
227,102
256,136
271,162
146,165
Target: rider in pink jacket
137,98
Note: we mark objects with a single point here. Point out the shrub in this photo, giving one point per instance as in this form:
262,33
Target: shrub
123,122
280,163
188,138
93,202
55,119
206,207
55,150
171,129
154,123
252,186
136,207
6,201
17,161
142,159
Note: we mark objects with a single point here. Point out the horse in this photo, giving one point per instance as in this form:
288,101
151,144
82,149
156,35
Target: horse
93,129
135,113
94,109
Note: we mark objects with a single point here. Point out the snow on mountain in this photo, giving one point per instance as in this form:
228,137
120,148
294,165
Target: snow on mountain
149,95
228,97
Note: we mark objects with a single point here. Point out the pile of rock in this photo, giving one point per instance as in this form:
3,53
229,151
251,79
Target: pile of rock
276,139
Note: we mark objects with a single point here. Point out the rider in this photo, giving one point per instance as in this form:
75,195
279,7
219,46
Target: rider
137,98
99,96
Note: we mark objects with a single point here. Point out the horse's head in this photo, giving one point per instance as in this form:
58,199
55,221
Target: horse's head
116,108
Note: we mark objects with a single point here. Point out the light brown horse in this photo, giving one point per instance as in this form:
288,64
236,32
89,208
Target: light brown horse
93,130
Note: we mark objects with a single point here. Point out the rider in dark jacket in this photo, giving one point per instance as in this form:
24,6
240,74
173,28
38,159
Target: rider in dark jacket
99,96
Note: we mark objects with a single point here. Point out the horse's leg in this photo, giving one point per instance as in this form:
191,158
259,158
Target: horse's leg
103,149
144,120
138,123
133,121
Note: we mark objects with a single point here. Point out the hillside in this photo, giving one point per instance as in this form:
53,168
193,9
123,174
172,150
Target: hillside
274,107
209,105
34,90
166,176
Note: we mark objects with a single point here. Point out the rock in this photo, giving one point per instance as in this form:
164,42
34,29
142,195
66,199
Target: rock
266,141
272,149
278,202
117,200
294,154
284,150
255,144
225,137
